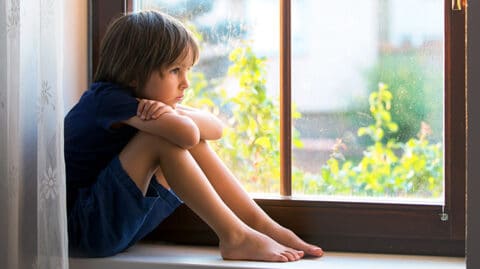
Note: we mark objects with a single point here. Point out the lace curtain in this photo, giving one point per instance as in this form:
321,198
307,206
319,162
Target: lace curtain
33,230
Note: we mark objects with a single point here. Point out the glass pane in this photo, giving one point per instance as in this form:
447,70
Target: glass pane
368,92
237,79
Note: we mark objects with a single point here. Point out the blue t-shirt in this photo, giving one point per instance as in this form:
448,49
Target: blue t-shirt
90,141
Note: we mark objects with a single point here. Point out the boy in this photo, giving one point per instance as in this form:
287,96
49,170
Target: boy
130,149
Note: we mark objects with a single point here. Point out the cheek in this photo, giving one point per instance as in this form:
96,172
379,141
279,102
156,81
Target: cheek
152,93
146,93
161,96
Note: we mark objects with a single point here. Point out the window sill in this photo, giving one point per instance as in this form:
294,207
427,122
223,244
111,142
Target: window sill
159,256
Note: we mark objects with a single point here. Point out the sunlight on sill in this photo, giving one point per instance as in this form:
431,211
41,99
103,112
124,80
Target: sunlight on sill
162,256
351,199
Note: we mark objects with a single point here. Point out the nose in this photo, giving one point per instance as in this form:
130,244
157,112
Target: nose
185,83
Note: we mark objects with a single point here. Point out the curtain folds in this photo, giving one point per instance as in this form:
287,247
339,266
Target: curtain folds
33,229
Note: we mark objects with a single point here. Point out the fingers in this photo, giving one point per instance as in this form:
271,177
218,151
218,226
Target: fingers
162,110
148,111
141,106
151,109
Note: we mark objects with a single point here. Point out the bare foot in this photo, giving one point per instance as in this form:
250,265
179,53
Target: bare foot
286,237
255,246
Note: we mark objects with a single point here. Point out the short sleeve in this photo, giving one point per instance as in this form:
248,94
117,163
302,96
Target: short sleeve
115,105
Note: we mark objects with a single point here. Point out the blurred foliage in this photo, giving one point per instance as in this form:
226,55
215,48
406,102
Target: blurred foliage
407,165
388,167
250,144
415,82
250,147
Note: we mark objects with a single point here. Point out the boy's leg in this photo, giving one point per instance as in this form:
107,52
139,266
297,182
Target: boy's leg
233,194
145,152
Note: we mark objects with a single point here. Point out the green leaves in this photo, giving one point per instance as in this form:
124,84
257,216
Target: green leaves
250,144
388,168
257,122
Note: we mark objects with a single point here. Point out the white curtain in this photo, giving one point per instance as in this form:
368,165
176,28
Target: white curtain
33,230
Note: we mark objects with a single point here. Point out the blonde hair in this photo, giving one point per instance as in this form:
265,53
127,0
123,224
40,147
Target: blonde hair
137,44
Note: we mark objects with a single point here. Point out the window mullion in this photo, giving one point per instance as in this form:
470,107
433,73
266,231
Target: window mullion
285,99
455,124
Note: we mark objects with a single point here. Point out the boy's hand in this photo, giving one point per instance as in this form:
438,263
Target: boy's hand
151,109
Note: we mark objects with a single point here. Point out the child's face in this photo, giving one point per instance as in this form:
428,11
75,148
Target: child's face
169,86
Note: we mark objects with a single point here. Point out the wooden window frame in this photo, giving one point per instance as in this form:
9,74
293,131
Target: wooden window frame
346,226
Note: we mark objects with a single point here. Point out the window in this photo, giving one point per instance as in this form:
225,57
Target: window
369,86
432,227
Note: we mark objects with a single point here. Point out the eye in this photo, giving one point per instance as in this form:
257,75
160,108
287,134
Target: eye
175,70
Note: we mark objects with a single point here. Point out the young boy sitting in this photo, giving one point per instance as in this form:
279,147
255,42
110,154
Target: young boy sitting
132,152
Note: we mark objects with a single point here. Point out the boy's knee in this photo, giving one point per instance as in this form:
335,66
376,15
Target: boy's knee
159,144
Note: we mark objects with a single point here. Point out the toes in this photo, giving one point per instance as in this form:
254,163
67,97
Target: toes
296,253
290,256
315,251
293,255
280,258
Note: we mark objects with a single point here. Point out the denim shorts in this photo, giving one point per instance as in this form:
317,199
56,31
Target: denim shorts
112,214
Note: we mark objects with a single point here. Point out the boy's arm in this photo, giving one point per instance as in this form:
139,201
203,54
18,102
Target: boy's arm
211,128
176,128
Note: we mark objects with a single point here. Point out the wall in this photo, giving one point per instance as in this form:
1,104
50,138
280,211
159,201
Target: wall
75,51
473,167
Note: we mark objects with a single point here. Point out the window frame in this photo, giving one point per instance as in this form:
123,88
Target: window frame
346,226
